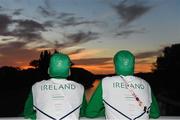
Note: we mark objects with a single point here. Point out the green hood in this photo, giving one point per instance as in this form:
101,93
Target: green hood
124,63
59,66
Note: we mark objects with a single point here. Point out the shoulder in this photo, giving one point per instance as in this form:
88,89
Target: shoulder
40,82
141,80
75,83
110,78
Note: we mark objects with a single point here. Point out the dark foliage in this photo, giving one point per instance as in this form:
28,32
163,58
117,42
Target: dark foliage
82,76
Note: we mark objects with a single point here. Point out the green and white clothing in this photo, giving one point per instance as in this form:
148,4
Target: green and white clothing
119,101
57,99
95,107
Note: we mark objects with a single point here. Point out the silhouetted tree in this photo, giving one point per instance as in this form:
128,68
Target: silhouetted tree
170,60
42,64
44,60
167,69
34,63
82,76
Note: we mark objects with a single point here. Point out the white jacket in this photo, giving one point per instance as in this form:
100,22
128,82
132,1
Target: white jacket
57,99
119,101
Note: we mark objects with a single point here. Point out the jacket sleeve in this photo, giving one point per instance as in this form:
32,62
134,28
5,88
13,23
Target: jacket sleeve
83,107
29,112
154,110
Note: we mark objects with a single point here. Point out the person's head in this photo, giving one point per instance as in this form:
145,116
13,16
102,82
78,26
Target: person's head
59,66
124,63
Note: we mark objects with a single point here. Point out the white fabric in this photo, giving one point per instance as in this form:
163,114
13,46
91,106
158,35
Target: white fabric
57,98
116,93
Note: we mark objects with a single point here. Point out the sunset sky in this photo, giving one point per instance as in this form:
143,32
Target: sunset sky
90,31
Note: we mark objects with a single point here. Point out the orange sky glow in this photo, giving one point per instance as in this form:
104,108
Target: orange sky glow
106,69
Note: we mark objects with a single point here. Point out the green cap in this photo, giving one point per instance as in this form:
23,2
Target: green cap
59,65
124,63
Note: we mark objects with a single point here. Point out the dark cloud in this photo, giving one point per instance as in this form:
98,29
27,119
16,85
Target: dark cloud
92,61
76,51
143,62
23,29
74,21
76,39
28,30
64,15
129,12
129,32
6,39
28,36
17,11
5,21
2,9
15,54
148,54
81,37
47,4
48,24
29,25
11,45
46,12
63,19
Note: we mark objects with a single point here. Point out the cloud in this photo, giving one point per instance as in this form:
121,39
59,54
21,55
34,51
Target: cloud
29,25
22,29
46,12
28,30
92,61
64,15
47,4
126,33
144,61
17,11
15,54
73,52
5,21
148,54
76,39
48,23
129,12
63,19
86,53
6,39
95,65
82,37
74,21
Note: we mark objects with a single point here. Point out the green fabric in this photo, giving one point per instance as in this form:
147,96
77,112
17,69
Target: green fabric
154,111
29,112
95,107
124,63
59,66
